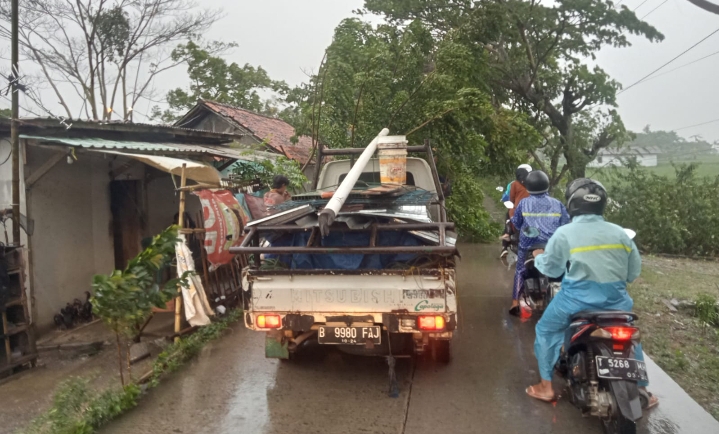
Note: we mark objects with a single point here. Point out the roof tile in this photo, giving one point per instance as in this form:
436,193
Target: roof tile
275,131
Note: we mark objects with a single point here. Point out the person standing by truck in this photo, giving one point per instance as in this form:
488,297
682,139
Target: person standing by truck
279,193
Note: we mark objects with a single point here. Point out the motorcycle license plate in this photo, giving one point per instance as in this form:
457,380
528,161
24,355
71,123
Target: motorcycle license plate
349,335
616,368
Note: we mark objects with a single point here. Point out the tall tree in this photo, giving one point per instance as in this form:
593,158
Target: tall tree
401,78
101,57
211,77
538,55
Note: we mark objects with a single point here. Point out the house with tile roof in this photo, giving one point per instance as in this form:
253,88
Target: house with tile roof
617,157
254,128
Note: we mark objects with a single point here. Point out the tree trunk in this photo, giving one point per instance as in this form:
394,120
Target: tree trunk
119,359
129,361
125,108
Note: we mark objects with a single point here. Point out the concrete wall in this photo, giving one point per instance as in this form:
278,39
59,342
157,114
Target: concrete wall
73,238
73,234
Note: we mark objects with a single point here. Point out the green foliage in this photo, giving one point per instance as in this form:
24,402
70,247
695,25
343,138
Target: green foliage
78,409
535,57
464,207
266,170
178,353
213,78
675,216
113,32
406,79
706,310
6,113
125,299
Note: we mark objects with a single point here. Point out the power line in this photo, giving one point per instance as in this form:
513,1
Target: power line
696,125
652,11
669,62
682,66
640,5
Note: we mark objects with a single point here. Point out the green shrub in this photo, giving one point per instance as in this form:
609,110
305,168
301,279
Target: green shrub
706,310
673,216
78,409
464,207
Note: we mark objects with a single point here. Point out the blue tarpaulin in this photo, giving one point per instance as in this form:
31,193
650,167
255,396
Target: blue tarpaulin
345,261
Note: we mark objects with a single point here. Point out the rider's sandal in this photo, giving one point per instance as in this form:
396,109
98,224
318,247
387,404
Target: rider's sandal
652,401
530,391
515,311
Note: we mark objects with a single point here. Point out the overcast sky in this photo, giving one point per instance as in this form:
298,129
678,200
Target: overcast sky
287,37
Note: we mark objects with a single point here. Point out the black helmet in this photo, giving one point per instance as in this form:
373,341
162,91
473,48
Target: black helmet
585,196
521,174
537,182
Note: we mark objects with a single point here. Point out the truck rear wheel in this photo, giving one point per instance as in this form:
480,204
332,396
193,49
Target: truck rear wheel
440,351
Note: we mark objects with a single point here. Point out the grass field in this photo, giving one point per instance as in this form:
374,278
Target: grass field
708,166
677,341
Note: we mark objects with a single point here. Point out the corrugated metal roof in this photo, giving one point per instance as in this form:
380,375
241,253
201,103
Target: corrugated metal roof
94,143
162,148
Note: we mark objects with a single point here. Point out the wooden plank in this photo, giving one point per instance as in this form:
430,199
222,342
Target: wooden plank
18,362
181,222
669,305
8,350
42,170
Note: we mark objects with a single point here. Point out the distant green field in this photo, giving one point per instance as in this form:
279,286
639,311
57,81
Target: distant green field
707,167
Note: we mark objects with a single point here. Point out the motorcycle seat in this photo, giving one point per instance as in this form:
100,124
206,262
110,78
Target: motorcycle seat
604,315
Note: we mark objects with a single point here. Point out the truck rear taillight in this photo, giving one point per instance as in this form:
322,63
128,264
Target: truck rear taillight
430,323
268,321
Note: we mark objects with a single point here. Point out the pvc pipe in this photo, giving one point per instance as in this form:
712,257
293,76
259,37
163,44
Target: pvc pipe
327,216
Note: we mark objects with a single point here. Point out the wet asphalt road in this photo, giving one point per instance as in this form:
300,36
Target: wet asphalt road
232,388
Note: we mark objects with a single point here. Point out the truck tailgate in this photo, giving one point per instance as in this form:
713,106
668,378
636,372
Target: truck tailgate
352,293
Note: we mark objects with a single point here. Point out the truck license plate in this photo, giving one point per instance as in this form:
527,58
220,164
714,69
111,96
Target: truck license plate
349,335
616,368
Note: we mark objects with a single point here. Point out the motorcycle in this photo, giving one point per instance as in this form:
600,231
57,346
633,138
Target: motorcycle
538,289
598,364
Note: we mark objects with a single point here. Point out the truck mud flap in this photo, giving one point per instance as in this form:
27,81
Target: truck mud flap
275,346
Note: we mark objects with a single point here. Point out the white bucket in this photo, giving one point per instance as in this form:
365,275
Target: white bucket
392,151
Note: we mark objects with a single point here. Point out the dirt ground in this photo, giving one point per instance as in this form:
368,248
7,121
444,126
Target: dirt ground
676,340
28,394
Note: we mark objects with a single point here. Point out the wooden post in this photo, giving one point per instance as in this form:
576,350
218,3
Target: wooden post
8,350
181,223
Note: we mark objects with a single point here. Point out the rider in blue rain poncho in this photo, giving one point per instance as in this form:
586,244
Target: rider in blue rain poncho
538,211
602,260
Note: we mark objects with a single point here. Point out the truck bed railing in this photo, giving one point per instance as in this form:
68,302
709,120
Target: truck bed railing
251,243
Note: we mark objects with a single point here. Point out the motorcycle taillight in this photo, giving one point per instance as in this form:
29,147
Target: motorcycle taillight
617,333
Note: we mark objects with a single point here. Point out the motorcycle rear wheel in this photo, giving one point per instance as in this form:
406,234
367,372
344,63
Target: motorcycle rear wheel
618,424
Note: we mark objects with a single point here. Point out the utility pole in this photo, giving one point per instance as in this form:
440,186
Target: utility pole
15,127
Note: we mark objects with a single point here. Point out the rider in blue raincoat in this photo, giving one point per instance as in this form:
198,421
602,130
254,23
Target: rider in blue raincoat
539,211
602,259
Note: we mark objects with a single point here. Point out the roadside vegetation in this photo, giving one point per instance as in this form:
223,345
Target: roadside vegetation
672,215
79,409
682,339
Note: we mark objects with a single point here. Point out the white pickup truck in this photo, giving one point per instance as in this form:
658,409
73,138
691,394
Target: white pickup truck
381,283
